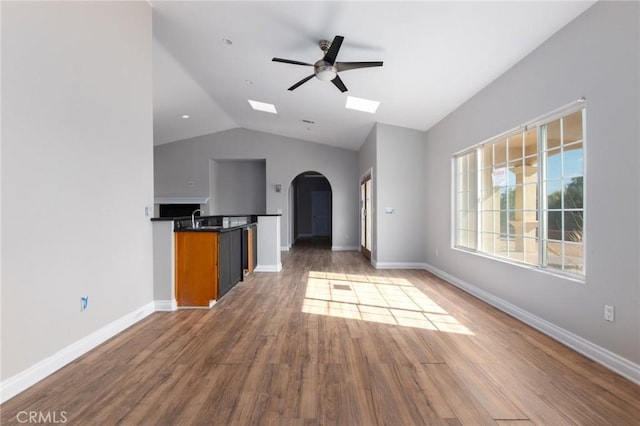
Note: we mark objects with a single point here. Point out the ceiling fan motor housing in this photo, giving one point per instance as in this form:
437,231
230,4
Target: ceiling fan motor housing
324,70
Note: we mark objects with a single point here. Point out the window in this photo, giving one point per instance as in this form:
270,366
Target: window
466,200
520,196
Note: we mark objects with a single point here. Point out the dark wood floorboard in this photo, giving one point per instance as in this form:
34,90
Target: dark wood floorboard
332,341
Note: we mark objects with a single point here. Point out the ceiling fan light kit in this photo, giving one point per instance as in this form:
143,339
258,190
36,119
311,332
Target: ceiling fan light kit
326,69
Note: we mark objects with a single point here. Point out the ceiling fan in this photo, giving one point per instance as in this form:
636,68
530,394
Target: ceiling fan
326,69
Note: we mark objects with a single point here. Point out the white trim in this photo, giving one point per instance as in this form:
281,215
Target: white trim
344,248
165,305
181,200
567,109
32,375
268,268
284,248
612,361
398,265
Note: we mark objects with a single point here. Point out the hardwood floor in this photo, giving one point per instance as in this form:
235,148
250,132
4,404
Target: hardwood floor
330,340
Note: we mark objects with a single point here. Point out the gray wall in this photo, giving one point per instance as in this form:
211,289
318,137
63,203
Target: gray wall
396,157
238,187
596,56
76,170
400,185
163,261
179,162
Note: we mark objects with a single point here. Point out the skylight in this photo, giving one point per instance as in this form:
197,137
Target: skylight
360,104
261,106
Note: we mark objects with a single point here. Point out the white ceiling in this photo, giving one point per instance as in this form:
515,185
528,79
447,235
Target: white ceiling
436,55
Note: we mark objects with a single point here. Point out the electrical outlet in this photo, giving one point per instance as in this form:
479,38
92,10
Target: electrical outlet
609,313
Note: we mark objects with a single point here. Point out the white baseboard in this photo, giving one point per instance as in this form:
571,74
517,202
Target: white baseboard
285,248
165,305
344,248
398,265
612,361
21,381
268,268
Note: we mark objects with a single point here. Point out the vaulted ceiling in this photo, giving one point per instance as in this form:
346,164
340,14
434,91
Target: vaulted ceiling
211,57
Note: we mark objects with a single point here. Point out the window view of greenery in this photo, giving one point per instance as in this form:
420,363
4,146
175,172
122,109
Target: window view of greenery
498,185
564,210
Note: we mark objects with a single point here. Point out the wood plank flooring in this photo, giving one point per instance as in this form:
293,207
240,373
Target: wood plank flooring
332,341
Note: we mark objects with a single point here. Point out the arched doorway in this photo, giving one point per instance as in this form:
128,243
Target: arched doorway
312,210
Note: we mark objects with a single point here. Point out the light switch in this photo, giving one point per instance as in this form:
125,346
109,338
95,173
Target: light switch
389,210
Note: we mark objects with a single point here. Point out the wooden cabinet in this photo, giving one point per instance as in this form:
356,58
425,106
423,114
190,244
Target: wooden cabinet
196,255
208,265
250,249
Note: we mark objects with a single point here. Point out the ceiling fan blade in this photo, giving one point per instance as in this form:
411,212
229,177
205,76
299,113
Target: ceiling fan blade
301,82
332,53
346,66
339,84
289,61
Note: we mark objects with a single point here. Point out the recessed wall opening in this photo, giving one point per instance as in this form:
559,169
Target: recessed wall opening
237,186
312,210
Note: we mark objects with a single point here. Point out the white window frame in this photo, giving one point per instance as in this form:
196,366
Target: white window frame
542,236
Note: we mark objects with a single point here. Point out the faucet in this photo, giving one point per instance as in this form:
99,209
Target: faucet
193,218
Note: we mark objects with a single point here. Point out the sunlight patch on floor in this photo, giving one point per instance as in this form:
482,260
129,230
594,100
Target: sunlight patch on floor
385,300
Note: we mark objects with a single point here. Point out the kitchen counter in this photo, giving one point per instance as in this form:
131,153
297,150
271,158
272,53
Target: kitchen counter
216,228
265,231
212,223
253,217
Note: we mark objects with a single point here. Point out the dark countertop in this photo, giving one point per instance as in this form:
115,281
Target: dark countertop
218,229
220,223
215,223
167,219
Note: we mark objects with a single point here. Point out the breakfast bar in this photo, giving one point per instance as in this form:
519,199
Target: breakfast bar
198,259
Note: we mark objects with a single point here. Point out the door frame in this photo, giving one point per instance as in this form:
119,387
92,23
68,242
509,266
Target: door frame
294,189
366,214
